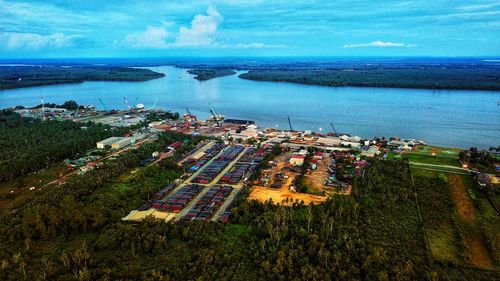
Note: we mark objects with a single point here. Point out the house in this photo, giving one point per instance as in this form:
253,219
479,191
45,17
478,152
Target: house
303,152
318,155
396,143
369,151
297,160
345,137
350,144
175,145
483,179
355,139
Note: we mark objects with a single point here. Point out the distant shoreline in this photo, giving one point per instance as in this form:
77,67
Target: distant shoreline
433,79
15,77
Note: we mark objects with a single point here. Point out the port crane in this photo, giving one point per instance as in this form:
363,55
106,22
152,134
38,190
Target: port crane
334,131
290,123
126,102
154,104
188,112
214,114
43,109
103,105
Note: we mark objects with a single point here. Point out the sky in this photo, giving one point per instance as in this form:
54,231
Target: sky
161,28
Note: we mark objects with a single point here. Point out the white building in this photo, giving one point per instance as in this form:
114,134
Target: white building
329,141
107,142
121,143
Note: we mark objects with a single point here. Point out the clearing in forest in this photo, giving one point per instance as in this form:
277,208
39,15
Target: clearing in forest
480,257
280,195
461,197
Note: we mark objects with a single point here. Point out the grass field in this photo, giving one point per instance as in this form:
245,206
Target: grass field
461,225
430,155
16,193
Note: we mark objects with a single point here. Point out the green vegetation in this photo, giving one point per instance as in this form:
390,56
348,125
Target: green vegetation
481,160
426,159
207,74
461,224
29,145
75,232
405,76
12,77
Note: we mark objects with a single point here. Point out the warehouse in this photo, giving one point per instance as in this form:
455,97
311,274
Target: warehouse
122,142
107,142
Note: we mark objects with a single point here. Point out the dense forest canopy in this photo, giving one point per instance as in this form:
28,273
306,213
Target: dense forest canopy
29,144
75,232
12,77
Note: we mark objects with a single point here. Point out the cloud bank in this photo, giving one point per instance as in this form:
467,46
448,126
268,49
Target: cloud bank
14,40
202,32
378,44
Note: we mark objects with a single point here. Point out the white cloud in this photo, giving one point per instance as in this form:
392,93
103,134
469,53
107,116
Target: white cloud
203,29
153,37
201,33
379,44
14,40
253,46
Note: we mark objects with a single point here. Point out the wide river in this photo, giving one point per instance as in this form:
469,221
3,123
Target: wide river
440,117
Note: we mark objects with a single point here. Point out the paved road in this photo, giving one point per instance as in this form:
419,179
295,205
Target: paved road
193,202
203,148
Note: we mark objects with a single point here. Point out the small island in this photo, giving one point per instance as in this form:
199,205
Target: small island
207,74
12,77
417,76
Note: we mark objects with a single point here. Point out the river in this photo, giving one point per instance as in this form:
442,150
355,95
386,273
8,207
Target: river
440,117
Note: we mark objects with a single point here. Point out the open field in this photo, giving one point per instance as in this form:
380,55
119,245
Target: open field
459,221
283,194
263,194
16,192
429,155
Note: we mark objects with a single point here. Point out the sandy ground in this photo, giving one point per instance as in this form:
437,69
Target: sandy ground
263,194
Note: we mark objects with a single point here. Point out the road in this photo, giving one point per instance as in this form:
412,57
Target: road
440,168
193,202
62,179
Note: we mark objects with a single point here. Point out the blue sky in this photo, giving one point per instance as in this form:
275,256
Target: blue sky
111,28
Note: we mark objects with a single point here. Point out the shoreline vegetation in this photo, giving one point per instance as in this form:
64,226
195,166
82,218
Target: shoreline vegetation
410,73
13,77
415,78
207,74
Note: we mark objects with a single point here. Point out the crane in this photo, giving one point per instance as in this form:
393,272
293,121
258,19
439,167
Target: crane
126,102
215,117
335,132
290,123
43,109
214,114
154,104
103,105
189,112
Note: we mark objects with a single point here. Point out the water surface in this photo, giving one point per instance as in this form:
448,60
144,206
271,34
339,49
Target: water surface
440,117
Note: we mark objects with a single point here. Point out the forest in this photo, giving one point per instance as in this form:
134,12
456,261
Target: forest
75,232
29,145
207,74
427,77
12,77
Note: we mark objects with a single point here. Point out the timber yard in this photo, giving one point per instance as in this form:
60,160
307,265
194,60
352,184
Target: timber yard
284,166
